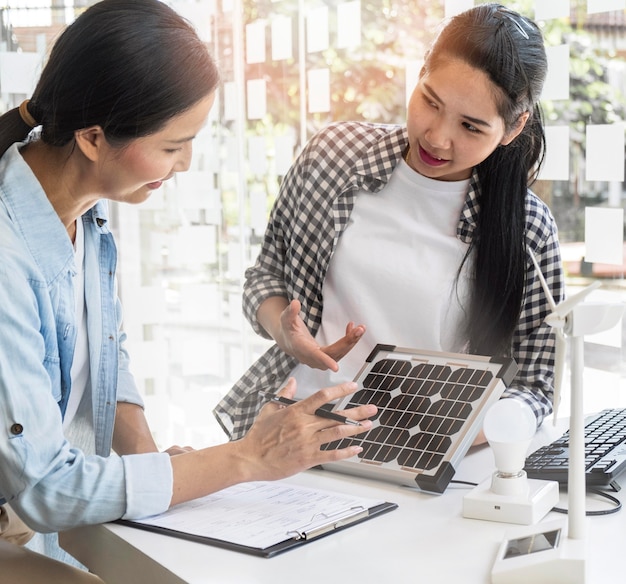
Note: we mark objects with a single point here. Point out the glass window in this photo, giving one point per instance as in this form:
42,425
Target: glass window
289,68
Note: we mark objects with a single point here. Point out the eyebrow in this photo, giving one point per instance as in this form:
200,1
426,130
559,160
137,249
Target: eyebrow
182,140
475,121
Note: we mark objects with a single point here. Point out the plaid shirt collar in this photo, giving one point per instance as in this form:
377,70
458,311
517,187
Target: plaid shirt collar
373,172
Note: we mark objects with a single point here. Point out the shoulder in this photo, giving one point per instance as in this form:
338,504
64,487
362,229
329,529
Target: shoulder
353,137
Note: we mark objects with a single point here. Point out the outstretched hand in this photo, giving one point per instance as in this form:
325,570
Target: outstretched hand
296,340
285,440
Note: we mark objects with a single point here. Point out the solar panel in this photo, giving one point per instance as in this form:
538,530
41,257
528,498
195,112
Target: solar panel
430,408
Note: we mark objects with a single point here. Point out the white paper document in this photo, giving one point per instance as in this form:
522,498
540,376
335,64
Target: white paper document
263,514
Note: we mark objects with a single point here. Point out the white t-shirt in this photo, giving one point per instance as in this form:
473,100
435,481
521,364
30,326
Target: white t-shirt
80,365
394,270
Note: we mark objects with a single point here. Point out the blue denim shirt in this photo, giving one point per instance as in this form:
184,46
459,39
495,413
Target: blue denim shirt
50,484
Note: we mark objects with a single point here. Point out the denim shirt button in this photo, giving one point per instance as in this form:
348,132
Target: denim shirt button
17,429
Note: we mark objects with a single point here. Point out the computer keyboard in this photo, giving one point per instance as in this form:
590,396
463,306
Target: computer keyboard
605,451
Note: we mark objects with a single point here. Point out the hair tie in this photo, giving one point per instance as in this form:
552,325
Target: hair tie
25,115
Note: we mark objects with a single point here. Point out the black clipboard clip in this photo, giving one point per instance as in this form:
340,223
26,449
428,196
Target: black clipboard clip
332,522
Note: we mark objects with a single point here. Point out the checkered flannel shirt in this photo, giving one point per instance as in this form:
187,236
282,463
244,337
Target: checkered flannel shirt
310,213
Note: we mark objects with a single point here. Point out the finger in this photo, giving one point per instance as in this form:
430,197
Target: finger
338,433
293,310
343,346
327,395
322,360
174,450
360,412
289,389
355,331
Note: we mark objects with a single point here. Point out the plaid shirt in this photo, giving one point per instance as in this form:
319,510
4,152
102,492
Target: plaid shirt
312,210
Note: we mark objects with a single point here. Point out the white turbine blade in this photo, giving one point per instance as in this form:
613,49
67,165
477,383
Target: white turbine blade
544,284
565,307
559,367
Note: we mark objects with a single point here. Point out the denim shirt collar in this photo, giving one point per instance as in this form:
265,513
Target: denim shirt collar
33,215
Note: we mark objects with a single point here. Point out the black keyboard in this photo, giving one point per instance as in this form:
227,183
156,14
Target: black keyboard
605,451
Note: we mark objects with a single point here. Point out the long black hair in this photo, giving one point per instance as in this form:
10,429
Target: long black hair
509,48
128,66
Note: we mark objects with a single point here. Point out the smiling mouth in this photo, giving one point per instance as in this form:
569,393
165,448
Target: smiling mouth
430,159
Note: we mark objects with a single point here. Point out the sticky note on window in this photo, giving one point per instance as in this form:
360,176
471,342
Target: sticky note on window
556,85
604,235
319,90
257,99
317,29
255,42
605,152
19,72
282,43
552,9
556,162
594,6
349,24
454,7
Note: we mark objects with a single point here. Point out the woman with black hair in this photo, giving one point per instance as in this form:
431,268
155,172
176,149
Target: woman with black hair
421,232
125,90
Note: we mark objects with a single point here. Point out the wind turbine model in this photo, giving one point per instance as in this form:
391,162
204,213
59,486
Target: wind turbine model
547,553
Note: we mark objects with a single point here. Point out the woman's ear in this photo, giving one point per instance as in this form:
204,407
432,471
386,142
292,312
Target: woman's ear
517,130
90,141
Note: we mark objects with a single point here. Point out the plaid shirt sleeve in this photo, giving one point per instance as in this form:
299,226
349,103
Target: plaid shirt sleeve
534,341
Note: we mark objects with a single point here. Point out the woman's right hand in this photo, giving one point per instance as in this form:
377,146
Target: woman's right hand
285,440
293,337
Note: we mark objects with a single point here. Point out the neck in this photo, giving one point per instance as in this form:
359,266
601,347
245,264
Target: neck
58,172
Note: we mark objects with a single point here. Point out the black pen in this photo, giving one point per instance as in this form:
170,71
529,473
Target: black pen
321,412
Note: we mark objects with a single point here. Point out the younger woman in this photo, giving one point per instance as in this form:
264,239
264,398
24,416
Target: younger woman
421,233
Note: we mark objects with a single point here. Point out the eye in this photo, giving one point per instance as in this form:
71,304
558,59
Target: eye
470,128
429,102
172,150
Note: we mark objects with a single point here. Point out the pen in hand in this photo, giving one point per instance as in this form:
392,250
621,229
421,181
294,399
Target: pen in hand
321,412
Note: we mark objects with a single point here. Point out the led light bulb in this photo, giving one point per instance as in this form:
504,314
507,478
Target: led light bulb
509,427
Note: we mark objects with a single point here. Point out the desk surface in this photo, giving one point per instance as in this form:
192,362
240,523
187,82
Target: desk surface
425,540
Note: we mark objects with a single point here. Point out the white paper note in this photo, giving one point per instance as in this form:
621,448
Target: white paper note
349,24
230,101
282,38
257,155
548,9
319,90
556,85
255,42
19,72
317,29
283,153
604,235
454,7
258,211
594,6
411,74
199,14
605,152
257,99
556,162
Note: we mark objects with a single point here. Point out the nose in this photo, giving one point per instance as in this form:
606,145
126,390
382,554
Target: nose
438,136
183,163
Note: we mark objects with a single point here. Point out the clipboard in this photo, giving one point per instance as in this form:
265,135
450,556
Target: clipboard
263,518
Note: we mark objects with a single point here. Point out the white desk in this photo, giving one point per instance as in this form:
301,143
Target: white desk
426,540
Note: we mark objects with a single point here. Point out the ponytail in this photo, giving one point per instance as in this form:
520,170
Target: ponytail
15,126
